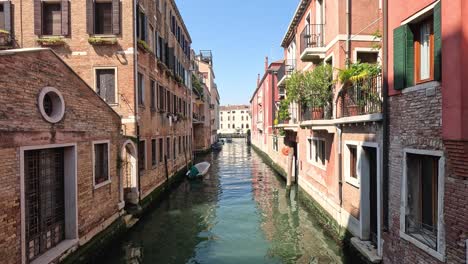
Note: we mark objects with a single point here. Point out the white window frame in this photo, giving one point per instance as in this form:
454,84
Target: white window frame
108,181
311,146
440,252
277,143
332,57
367,50
116,83
356,182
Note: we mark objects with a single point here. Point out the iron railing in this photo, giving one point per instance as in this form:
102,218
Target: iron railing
286,69
362,97
317,111
312,36
426,234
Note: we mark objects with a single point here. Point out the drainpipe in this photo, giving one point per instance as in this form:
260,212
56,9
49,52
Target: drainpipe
386,125
340,165
348,31
135,85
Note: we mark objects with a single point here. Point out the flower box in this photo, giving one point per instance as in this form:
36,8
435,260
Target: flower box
5,38
52,41
102,41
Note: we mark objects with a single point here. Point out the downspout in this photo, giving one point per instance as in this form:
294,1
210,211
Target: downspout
386,124
348,31
340,165
135,85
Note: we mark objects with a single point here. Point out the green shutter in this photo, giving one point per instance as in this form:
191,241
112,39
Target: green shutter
409,57
437,42
399,57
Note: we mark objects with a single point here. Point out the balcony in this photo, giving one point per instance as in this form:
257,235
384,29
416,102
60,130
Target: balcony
285,71
317,111
312,43
198,118
361,98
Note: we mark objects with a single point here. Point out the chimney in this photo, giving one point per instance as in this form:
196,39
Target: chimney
266,63
258,80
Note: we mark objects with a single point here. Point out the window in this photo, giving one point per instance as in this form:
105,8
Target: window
247,126
51,104
242,118
2,16
162,98
417,50
168,101
275,144
352,152
141,90
142,23
422,198
424,50
317,151
234,118
174,148
367,57
103,18
180,144
153,95
161,150
229,126
105,85
352,162
242,126
101,164
51,18
168,148
221,125
153,153
142,155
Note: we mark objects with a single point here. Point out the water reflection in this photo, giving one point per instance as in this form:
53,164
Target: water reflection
239,213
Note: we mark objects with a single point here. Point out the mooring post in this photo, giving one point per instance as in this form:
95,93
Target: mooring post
290,167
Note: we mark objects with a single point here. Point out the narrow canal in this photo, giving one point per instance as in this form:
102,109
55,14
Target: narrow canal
239,213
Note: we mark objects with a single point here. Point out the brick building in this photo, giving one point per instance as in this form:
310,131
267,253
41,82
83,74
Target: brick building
427,185
59,149
136,56
264,103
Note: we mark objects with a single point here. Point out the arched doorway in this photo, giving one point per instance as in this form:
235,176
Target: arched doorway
130,192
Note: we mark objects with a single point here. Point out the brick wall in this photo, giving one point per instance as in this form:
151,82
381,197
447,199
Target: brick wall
415,122
87,118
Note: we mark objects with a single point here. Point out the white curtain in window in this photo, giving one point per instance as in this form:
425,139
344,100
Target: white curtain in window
425,68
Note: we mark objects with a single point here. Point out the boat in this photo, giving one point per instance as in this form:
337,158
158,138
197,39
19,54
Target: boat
217,146
202,168
229,140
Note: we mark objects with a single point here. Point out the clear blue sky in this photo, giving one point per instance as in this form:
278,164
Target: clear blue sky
240,34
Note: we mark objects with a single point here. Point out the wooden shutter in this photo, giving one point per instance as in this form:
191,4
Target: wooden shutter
7,15
403,57
409,56
116,17
38,17
437,42
65,17
90,16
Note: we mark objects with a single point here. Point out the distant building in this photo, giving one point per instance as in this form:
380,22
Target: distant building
234,119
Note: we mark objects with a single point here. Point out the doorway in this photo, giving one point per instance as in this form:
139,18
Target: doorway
129,173
371,158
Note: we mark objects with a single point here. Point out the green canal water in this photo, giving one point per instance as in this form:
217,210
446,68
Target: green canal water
239,213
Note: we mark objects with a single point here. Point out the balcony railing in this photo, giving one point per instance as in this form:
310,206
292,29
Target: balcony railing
317,112
286,69
312,36
198,118
363,97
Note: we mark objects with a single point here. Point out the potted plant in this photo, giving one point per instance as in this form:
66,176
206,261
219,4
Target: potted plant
102,40
318,90
143,45
283,112
51,41
4,37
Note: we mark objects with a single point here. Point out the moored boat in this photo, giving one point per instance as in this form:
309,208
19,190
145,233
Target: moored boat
198,170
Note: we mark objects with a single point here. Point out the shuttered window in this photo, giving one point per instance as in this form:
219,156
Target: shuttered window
162,98
141,89
417,51
153,95
142,24
103,17
161,150
153,153
51,18
2,16
105,85
142,155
